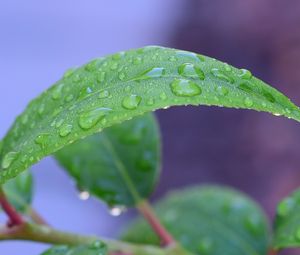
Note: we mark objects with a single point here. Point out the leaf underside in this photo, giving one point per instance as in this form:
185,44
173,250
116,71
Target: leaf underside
287,222
110,90
208,220
120,164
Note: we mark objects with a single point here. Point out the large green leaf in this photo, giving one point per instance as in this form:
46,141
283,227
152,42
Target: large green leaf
119,165
209,220
287,222
19,191
97,248
111,90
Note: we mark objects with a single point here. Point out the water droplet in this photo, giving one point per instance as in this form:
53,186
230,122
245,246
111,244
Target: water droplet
9,158
65,130
285,206
187,54
103,94
253,224
57,91
276,114
185,88
84,195
245,74
114,66
101,76
248,102
137,60
90,118
269,96
69,98
163,96
42,139
117,210
59,123
97,245
24,119
191,71
150,101
84,92
155,72
122,76
172,58
220,75
223,91
227,67
69,72
245,86
131,102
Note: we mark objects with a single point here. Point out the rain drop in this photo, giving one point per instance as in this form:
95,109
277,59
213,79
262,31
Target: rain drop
42,139
155,72
65,130
131,102
84,195
185,88
117,210
90,118
285,206
248,102
163,96
191,71
223,91
8,159
221,76
41,109
245,74
57,91
103,94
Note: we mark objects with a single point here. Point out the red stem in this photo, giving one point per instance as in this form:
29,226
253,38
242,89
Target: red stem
146,210
14,217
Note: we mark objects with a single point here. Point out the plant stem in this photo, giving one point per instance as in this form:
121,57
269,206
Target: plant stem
36,217
14,217
146,210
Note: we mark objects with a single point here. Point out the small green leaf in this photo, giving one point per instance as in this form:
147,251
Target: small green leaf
116,88
287,222
97,248
19,191
209,220
119,165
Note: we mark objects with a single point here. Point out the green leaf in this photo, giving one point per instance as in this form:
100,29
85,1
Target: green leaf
110,90
97,248
287,222
19,191
119,165
209,220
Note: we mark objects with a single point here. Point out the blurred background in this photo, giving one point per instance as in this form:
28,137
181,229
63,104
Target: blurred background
254,152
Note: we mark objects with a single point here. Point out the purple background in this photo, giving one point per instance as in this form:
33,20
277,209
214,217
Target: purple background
255,152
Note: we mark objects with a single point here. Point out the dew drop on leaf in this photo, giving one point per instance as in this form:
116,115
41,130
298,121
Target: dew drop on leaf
185,88
84,195
117,210
42,139
103,94
191,71
65,130
221,76
90,118
155,72
163,96
8,159
57,91
248,102
223,91
245,74
285,206
131,102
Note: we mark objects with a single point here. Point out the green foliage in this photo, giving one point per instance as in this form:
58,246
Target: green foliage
119,165
97,248
110,90
287,222
209,220
19,191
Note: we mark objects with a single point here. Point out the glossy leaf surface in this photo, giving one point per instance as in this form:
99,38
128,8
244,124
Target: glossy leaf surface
120,164
113,89
287,222
209,220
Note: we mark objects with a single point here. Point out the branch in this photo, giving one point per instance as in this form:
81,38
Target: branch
14,217
147,211
36,217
